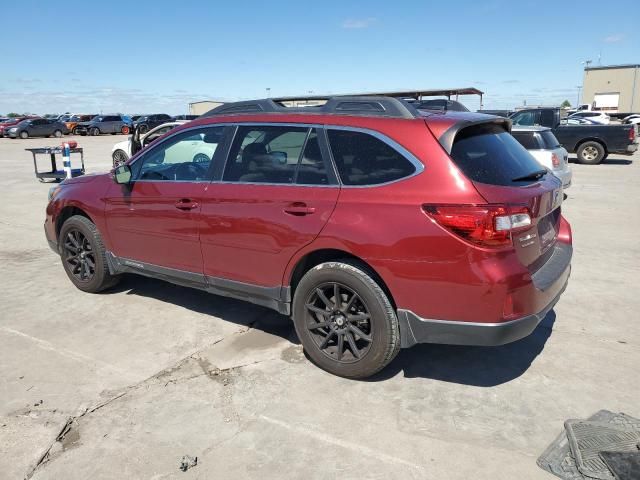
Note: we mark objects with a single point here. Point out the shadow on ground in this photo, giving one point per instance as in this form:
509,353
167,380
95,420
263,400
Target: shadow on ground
242,313
606,161
477,366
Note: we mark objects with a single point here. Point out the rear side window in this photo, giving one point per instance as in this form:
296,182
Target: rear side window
489,154
265,154
549,139
363,159
528,140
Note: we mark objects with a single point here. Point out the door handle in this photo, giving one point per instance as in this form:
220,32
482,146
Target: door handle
299,209
186,204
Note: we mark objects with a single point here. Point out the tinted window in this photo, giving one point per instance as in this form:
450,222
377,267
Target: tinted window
549,139
265,154
528,140
312,169
184,157
362,159
488,154
547,118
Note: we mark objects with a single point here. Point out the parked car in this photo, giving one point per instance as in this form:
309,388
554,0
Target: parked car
12,122
591,143
185,117
147,122
578,121
375,225
99,124
633,119
74,120
37,127
597,117
545,148
121,151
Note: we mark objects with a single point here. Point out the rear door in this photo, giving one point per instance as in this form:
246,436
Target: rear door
276,194
502,172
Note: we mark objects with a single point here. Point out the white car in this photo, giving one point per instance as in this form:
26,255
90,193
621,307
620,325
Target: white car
597,117
633,119
545,148
121,151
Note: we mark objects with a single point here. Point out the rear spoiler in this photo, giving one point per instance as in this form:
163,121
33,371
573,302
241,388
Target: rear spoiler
448,137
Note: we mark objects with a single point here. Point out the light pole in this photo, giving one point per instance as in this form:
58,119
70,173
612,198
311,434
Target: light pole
578,101
268,89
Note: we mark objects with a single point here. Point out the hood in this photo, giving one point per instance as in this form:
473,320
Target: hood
88,178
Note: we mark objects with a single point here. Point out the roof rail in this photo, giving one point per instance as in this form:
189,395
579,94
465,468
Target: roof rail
378,106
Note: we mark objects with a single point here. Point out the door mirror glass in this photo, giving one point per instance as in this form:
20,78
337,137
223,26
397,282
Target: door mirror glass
122,174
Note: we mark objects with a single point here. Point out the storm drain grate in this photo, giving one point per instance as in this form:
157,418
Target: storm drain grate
559,459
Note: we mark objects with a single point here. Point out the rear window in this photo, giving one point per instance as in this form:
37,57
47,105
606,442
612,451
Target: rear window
549,139
489,154
528,140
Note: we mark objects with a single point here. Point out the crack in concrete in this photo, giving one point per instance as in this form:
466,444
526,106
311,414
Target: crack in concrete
214,373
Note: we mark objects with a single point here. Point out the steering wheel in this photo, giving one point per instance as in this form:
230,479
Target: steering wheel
189,171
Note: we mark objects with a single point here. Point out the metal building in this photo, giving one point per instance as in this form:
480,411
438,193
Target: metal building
612,88
198,108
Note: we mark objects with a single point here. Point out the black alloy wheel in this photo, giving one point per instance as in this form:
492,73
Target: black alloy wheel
79,256
339,322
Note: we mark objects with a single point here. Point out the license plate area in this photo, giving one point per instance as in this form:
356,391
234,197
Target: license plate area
548,229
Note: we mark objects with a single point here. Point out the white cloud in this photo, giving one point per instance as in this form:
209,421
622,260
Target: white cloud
615,38
357,23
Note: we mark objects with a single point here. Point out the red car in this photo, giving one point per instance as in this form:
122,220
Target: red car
376,226
12,122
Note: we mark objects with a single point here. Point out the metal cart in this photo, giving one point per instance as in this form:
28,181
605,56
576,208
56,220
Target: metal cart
55,174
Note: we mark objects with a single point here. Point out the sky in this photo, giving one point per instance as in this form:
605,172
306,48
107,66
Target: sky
157,56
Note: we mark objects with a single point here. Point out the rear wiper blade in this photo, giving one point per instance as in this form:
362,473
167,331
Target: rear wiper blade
531,176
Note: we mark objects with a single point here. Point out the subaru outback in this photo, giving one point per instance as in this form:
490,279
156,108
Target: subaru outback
374,225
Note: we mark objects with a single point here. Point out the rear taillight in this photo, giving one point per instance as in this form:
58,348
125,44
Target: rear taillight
555,160
632,134
483,225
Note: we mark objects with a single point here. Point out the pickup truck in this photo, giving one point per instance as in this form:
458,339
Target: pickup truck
591,143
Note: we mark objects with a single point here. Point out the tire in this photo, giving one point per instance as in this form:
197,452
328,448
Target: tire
124,130
94,131
377,338
75,252
57,133
119,157
24,134
75,131
591,153
143,129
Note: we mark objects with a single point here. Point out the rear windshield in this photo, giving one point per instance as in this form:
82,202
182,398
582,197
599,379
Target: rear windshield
549,139
489,154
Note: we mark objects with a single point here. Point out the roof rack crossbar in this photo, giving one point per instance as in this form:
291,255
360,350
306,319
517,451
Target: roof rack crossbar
379,106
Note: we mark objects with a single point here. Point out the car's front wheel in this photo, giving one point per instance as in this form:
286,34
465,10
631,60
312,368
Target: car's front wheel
24,134
57,133
94,131
83,255
344,319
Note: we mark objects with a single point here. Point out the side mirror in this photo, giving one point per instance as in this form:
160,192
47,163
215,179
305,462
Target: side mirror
122,174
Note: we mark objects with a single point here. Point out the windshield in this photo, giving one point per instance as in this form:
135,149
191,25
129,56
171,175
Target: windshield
489,154
97,119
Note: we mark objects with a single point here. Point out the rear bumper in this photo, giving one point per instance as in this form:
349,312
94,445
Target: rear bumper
632,148
564,176
548,282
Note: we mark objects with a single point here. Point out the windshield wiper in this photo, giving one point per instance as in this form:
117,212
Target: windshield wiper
531,176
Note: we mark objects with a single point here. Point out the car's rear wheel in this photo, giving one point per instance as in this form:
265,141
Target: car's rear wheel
344,319
75,131
24,134
119,157
84,256
94,131
57,133
591,153
143,129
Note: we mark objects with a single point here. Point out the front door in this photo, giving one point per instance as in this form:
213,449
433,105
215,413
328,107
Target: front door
155,219
276,194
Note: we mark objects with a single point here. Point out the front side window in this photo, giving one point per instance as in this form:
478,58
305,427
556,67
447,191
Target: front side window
184,157
265,154
363,159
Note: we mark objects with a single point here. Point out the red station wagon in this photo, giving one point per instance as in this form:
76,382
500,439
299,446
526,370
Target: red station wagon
374,225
